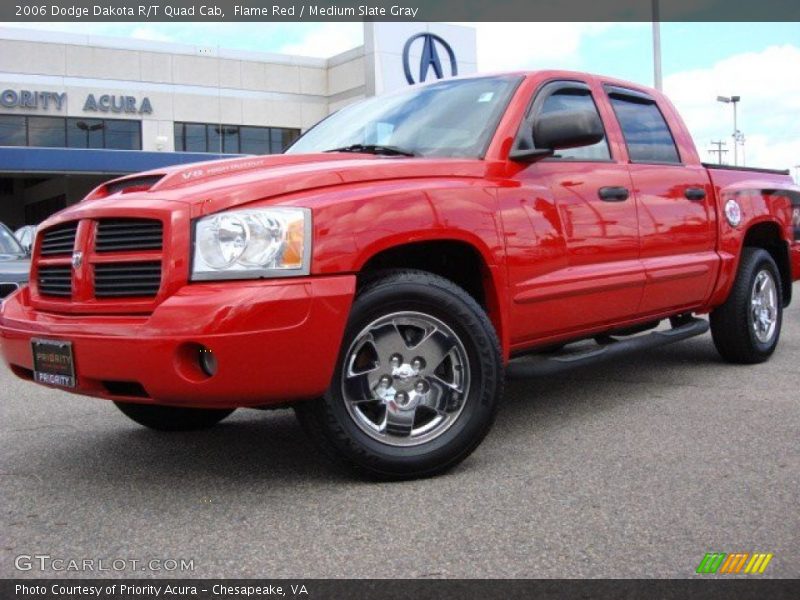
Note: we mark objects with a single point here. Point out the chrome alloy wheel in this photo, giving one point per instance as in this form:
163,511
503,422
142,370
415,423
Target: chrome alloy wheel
406,378
764,306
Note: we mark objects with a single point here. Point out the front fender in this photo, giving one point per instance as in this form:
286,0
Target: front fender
353,224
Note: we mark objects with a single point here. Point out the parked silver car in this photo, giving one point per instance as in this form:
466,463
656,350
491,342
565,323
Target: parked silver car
14,262
26,236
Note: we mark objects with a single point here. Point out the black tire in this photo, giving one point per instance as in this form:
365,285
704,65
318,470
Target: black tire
172,418
331,426
732,324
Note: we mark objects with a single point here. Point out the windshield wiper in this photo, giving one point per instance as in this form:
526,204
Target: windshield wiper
375,149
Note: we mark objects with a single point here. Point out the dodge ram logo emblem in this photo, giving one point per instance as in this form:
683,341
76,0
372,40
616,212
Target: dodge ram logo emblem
77,260
429,58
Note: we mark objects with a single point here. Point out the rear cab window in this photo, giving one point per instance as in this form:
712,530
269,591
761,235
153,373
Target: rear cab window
647,135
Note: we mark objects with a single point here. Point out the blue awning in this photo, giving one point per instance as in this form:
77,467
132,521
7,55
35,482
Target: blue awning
106,162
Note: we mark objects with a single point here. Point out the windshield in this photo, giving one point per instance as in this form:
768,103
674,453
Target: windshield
8,243
453,118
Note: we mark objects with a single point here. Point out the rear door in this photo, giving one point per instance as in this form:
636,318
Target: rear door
674,206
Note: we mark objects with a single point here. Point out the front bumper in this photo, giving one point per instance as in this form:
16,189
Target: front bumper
274,341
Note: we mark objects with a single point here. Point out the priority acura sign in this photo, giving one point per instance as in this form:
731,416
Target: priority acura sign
117,104
30,99
44,100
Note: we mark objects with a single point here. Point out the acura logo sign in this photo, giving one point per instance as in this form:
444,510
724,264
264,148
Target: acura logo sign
432,48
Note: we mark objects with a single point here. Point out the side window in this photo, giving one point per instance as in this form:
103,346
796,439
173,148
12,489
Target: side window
646,132
576,99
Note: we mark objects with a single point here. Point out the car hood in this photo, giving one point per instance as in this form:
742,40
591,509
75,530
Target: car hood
14,268
217,185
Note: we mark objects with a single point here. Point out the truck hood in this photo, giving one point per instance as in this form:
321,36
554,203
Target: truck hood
217,185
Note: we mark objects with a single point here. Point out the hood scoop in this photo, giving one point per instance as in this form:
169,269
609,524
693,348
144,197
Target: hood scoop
127,185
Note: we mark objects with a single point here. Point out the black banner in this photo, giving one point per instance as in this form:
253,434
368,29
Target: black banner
399,10
316,589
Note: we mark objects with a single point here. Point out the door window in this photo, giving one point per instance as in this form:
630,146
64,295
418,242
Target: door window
576,99
646,133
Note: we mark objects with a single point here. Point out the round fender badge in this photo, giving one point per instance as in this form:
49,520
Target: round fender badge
733,212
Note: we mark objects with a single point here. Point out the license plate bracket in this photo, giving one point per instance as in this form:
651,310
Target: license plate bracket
53,362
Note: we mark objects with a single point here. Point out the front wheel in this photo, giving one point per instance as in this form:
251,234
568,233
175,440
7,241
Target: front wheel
172,418
418,381
747,326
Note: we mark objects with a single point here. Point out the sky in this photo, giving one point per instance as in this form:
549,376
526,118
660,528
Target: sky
758,61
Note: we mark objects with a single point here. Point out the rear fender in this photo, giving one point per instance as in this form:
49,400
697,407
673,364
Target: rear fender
760,203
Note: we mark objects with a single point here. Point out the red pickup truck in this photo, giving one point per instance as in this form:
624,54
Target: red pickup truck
402,258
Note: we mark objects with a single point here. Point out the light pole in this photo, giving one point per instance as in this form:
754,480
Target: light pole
656,46
744,155
733,100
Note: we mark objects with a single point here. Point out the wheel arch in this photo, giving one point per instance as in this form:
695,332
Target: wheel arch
456,258
766,234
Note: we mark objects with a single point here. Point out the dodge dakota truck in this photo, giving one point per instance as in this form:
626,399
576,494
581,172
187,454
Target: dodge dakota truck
408,253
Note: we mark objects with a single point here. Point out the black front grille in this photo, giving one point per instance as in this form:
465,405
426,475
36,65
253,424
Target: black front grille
115,235
127,279
59,239
55,280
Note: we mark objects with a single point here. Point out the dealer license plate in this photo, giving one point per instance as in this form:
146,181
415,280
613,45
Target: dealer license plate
53,363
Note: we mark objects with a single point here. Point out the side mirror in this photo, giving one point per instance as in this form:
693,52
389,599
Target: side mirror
561,129
567,129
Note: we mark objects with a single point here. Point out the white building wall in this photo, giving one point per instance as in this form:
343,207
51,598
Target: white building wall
211,85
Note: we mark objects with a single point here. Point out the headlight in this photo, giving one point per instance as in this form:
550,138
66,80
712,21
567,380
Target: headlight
252,243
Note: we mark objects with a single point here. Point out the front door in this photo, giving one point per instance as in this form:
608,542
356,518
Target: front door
571,234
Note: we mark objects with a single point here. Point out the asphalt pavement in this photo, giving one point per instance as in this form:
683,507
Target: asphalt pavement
631,469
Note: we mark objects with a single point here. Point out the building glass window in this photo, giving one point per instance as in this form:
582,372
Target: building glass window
12,130
254,140
196,138
46,132
179,129
58,132
85,133
232,139
213,143
123,135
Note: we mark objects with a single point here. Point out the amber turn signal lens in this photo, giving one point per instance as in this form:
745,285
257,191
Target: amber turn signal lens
293,253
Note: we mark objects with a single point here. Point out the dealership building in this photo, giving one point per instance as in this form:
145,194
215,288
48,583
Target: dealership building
76,110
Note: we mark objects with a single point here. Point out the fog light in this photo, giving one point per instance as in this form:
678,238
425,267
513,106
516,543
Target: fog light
208,362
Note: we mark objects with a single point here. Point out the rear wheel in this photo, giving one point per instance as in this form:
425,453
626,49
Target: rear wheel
172,418
747,327
418,381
